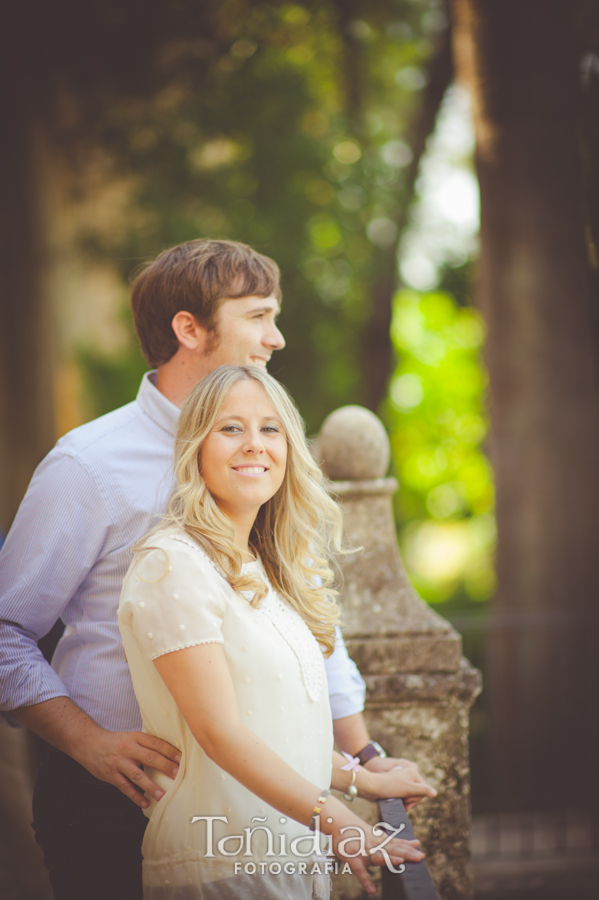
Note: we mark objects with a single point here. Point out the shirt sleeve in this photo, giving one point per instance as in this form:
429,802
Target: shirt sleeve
347,689
173,598
57,536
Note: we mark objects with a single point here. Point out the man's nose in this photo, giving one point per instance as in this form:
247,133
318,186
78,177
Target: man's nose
274,339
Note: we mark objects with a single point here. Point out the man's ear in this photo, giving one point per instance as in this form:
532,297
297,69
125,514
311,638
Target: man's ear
188,331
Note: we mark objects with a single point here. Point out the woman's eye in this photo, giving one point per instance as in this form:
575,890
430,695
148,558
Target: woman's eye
231,429
271,429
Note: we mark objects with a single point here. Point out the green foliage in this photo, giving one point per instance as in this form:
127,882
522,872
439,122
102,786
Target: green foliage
436,415
281,125
287,126
111,380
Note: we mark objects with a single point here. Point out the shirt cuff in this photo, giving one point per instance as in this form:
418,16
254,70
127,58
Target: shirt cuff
9,718
348,703
25,676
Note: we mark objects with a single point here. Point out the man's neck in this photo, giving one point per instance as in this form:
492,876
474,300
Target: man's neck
177,378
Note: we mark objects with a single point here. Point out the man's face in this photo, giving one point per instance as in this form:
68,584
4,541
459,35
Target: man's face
246,333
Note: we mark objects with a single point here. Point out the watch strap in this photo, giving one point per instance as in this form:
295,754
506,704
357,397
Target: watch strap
371,750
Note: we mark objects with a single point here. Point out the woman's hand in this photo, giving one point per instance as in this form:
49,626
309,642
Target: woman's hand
384,764
356,843
391,778
403,781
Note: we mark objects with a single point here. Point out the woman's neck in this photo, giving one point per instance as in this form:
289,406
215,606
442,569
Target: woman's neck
242,522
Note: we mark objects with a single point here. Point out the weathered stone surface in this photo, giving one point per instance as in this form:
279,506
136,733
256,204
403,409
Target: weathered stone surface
353,444
406,653
434,733
424,687
420,688
427,722
378,599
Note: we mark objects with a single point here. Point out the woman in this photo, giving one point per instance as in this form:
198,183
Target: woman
225,614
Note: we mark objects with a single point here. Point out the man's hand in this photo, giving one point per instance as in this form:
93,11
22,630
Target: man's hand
112,756
117,757
387,763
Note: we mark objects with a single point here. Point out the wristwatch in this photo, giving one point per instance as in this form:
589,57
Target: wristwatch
371,750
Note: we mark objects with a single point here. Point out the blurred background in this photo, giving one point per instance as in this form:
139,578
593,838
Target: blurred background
426,175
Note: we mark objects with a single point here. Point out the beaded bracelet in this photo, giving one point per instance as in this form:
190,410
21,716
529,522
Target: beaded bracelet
317,809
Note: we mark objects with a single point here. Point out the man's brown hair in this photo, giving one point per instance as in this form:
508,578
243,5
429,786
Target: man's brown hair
196,277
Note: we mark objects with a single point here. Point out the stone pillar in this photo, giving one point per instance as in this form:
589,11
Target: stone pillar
420,688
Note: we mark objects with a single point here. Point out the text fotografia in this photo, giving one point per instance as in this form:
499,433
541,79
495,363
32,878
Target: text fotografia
318,867
306,846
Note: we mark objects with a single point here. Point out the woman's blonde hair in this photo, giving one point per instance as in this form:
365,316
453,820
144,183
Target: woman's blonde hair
296,532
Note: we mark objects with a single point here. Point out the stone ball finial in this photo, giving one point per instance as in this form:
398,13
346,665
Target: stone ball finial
354,445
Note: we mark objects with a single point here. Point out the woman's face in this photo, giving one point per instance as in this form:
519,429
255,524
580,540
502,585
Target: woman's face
243,459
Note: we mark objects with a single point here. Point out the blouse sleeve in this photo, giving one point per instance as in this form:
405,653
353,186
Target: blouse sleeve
173,597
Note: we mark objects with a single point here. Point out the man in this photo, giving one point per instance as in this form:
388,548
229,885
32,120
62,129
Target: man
196,307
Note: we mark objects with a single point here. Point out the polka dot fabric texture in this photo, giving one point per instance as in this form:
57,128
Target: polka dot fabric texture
277,670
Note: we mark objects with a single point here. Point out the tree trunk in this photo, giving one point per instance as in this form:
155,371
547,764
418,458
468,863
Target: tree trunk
26,396
535,292
377,348
588,39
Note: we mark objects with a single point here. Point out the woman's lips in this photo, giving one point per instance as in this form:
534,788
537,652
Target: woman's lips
252,471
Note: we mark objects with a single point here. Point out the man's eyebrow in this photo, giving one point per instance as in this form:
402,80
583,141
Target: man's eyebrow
259,309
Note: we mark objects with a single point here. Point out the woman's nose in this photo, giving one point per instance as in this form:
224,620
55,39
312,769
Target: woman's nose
253,442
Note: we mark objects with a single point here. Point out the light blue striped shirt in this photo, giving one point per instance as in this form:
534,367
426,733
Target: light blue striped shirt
67,553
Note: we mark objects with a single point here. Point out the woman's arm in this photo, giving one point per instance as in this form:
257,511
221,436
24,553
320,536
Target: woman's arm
200,682
351,734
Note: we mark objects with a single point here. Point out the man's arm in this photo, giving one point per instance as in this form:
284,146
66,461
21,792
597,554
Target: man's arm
112,756
351,733
347,689
347,692
57,536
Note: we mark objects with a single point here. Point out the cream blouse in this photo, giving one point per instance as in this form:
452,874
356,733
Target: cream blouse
174,597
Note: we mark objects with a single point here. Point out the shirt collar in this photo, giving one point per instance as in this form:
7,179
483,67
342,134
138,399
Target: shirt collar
156,406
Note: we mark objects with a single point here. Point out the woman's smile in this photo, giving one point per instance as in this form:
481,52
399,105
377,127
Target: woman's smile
244,457
252,471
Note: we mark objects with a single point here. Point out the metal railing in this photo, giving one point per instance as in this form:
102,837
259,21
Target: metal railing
415,883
